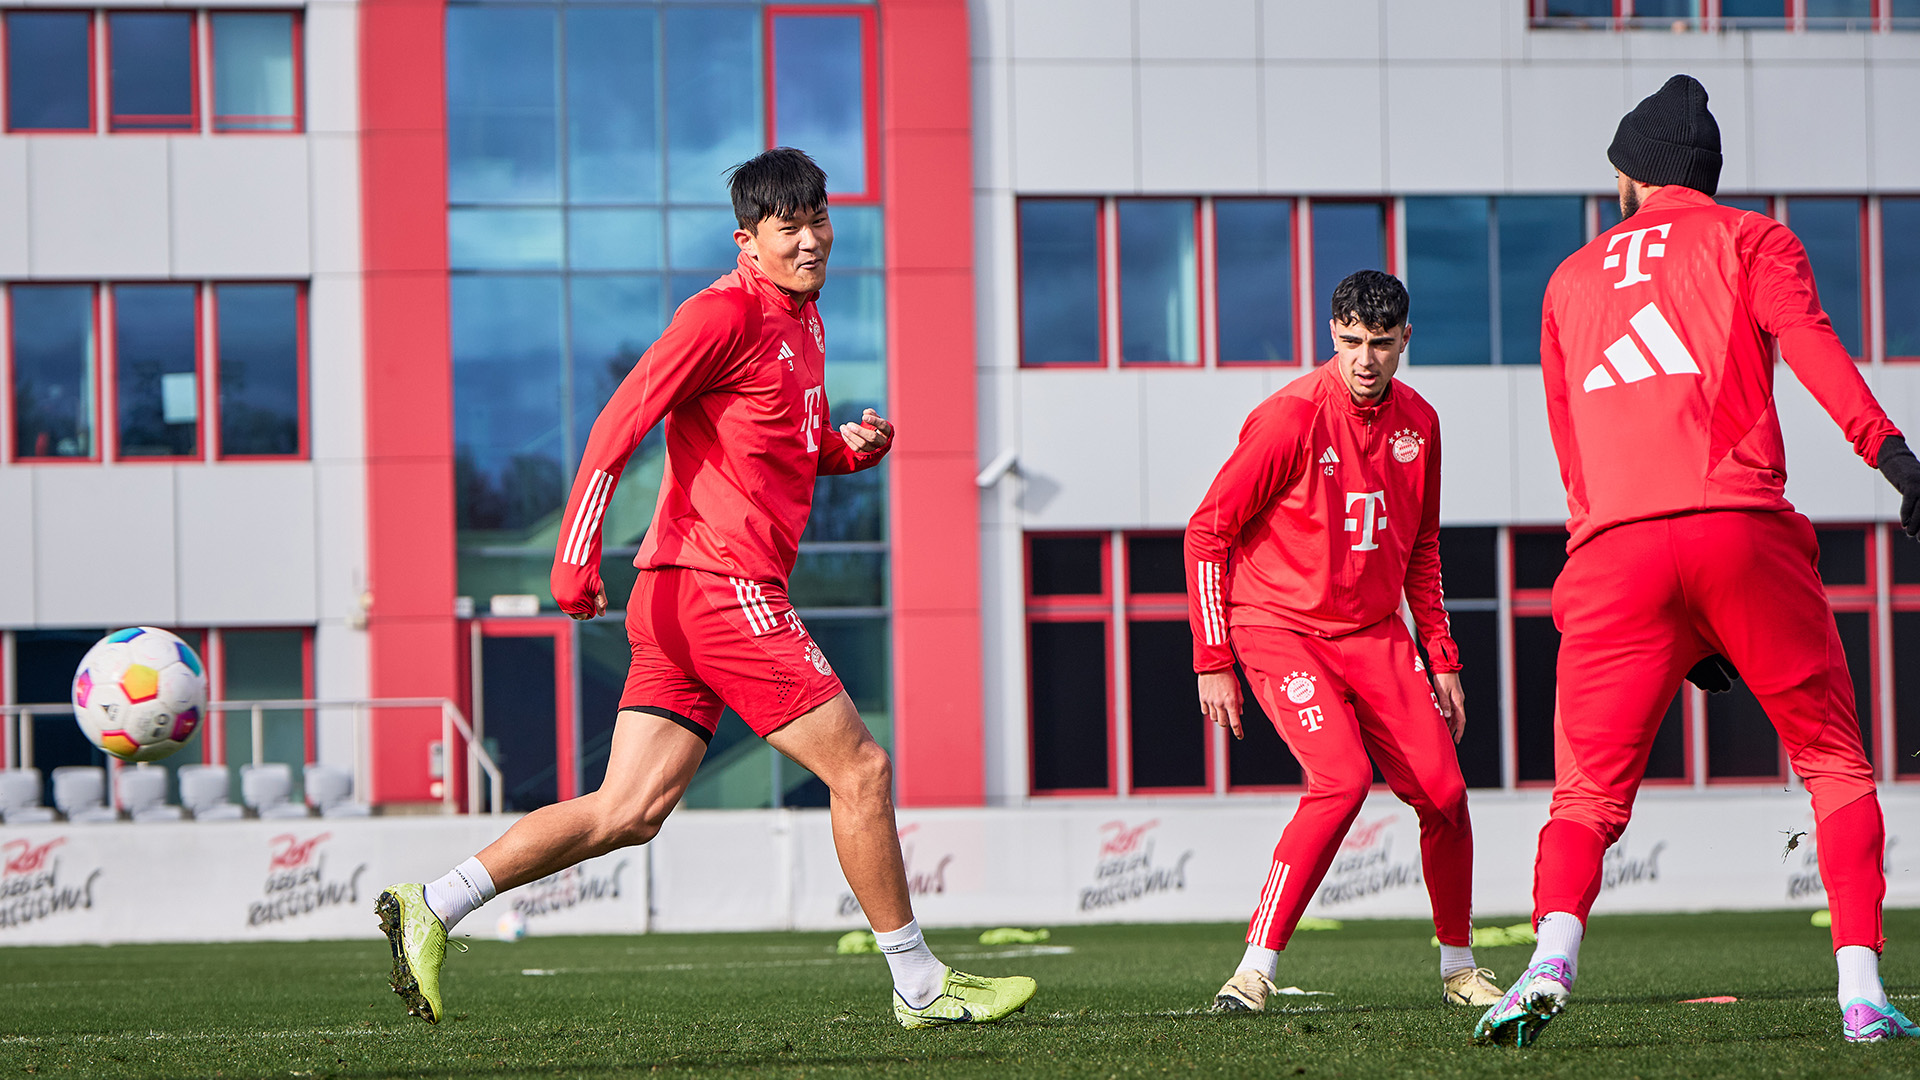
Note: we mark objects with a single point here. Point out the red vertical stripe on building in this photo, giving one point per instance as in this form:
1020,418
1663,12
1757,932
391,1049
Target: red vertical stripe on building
409,382
927,177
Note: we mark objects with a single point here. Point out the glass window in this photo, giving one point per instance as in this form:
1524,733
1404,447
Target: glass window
255,85
523,714
1756,204
1069,665
1536,233
1477,632
1159,282
1467,562
263,665
1261,759
1346,237
852,506
853,310
510,465
613,109
1157,564
1753,12
858,238
1537,558
1067,565
1449,280
1536,652
156,367
53,352
861,654
713,98
1594,9
1843,556
603,652
838,579
44,662
1900,273
502,105
1906,689
1060,281
504,239
49,71
1839,14
262,376
1856,640
614,239
1830,229
151,64
1906,560
819,93
614,319
702,239
1668,758
1741,741
1666,11
1168,735
1253,286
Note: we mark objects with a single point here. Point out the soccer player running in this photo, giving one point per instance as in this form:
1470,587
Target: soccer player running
1656,343
737,379
1326,515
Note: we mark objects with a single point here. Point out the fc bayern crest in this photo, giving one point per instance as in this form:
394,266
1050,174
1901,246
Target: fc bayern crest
818,659
1299,687
1406,445
819,336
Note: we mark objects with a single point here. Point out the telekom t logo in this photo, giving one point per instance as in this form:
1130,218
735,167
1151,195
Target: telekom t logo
1311,718
1373,517
1637,246
810,423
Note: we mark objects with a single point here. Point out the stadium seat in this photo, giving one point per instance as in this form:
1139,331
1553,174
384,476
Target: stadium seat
143,792
20,797
203,791
330,792
268,788
80,791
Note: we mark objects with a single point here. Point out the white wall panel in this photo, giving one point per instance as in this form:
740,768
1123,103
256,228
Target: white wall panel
333,75
334,171
337,403
1476,439
246,542
1677,52
993,124
15,240
1826,480
1073,30
1080,449
1197,29
240,208
1727,97
1809,126
1190,424
1324,128
1539,498
1895,92
1455,30
16,547
104,545
1073,127
989,26
1317,30
1436,139
1199,128
99,207
1560,119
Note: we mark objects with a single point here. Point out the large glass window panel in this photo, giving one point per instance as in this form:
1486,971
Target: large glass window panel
1253,286
614,319
1536,234
1449,276
1156,564
1469,569
1843,555
258,344
1261,759
517,679
254,72
1478,635
1536,652
1168,735
1839,14
156,381
504,239
1067,565
150,85
860,652
601,646
1346,237
1741,742
1906,691
1829,228
849,507
1069,665
1738,13
613,106
502,105
264,665
1900,273
44,662
510,466
53,351
838,579
1594,9
1668,758
1159,282
614,239
1663,12
702,239
1538,558
49,71
713,98
819,93
1856,640
857,238
1060,281
853,311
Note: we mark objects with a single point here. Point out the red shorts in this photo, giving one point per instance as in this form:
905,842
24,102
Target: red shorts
702,641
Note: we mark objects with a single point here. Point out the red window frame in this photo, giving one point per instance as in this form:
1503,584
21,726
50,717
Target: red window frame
869,85
93,77
212,354
1077,608
194,119
1103,209
213,730
1220,359
111,364
299,117
1149,608
1864,599
566,728
99,378
1878,269
1120,287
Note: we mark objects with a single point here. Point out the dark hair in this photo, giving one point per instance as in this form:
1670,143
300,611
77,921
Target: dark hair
782,182
1378,301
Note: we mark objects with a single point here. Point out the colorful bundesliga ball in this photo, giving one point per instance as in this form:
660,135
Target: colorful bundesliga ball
140,694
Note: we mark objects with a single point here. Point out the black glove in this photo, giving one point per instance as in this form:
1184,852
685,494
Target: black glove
1902,470
1715,674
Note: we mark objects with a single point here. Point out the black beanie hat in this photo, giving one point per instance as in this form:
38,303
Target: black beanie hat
1670,138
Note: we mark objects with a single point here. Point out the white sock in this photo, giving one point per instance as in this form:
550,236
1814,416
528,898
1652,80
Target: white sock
1455,958
1560,934
1860,975
1265,961
917,975
465,887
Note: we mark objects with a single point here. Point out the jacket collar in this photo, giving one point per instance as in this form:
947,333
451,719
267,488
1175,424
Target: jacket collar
1675,195
757,279
1337,389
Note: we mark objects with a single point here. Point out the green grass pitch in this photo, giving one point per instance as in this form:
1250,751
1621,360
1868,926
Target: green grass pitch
1124,1001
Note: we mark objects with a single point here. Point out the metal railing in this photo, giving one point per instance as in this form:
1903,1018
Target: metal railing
17,737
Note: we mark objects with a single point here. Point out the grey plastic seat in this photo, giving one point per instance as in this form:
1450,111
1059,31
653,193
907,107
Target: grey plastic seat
268,789
330,792
20,797
143,792
80,791
203,791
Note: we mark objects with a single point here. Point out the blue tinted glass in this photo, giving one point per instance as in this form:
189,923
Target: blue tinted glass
253,72
1905,9
49,71
151,86
613,116
53,370
1159,284
1609,211
682,286
818,91
1586,8
613,239
857,236
1754,10
1830,230
510,468
1839,14
1900,258
1536,234
1449,281
1060,281
1758,204
1346,237
1666,9
713,98
503,239
1253,253
502,105
853,312
156,383
701,238
852,506
614,319
258,327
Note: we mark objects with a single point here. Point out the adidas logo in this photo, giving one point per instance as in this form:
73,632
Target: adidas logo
1632,364
786,351
1329,458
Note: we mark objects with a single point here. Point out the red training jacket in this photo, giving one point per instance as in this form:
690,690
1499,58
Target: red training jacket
1656,342
1326,515
738,376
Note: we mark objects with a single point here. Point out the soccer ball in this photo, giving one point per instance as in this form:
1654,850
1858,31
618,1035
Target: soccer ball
139,694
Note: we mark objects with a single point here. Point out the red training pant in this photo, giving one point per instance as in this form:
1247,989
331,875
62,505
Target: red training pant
1640,604
1334,702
